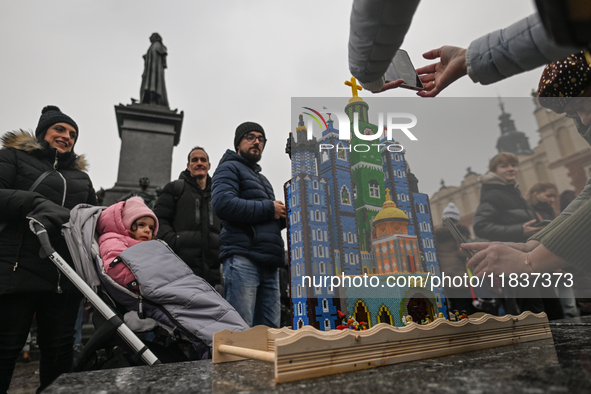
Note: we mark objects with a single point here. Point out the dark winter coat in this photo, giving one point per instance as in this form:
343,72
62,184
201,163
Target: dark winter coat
243,199
189,226
502,211
545,210
451,259
22,161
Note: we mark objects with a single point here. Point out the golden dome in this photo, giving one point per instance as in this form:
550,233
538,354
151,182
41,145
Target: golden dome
390,211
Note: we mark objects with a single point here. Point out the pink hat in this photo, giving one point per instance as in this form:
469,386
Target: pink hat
134,209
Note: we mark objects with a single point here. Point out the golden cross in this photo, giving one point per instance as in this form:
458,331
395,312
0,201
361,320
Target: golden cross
354,86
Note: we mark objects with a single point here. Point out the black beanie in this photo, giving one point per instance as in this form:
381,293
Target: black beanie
51,115
246,128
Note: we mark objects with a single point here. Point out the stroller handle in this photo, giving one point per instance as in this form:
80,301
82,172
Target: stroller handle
41,233
128,336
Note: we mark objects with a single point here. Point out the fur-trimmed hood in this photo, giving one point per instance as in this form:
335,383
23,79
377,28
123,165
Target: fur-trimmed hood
25,141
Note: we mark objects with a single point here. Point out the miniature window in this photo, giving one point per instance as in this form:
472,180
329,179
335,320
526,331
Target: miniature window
315,184
345,197
325,306
351,258
299,291
396,157
354,191
350,238
317,216
320,251
316,198
322,267
298,272
374,189
326,325
341,151
300,309
421,208
319,235
293,200
324,156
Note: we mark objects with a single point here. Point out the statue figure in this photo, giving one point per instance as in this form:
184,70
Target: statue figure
153,90
148,197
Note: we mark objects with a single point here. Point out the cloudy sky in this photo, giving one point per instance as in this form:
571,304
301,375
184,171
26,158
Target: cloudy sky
228,62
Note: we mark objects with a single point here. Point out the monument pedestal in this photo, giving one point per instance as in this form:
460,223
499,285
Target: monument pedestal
148,134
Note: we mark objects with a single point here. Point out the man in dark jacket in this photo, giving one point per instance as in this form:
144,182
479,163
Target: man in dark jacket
187,221
251,243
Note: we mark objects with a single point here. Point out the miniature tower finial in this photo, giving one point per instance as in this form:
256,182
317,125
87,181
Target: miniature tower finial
354,86
501,105
388,198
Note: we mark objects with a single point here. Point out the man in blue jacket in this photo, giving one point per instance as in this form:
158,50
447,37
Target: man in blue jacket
251,247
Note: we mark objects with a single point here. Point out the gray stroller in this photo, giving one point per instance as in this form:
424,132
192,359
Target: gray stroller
172,300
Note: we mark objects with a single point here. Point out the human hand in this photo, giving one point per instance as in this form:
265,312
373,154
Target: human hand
280,210
438,76
390,85
528,230
497,258
49,215
522,247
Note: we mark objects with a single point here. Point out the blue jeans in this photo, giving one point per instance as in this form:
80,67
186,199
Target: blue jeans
253,291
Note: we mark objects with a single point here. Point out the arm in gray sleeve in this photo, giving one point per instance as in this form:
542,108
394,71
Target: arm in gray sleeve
376,32
520,47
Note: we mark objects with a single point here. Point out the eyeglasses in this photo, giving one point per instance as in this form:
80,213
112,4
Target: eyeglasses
252,137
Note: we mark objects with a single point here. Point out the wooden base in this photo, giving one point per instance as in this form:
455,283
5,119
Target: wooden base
307,352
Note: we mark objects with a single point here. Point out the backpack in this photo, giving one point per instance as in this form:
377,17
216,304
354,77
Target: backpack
178,187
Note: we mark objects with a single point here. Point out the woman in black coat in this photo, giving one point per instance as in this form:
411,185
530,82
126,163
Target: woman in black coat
41,178
542,197
504,215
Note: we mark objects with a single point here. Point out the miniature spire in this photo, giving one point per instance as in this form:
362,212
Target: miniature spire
501,105
354,86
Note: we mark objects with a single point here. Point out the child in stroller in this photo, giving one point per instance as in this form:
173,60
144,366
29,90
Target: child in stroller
149,295
122,225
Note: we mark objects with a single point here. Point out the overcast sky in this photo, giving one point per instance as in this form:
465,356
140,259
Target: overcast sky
228,62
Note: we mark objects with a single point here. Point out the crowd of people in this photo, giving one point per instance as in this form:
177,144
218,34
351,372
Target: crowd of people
227,227
232,217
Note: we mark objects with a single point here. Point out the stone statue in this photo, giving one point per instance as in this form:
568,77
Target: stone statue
153,90
148,197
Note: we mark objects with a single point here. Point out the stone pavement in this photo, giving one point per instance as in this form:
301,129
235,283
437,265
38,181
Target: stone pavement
24,378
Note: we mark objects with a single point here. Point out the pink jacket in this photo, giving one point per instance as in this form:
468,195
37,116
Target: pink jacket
115,239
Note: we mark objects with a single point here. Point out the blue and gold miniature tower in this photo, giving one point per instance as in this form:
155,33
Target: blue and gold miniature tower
309,236
355,212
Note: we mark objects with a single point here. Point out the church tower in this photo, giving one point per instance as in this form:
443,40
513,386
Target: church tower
511,140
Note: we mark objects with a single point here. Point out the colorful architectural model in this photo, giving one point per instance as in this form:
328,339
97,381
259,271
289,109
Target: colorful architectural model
357,221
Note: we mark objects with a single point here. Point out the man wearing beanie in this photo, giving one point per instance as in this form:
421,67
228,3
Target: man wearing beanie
251,247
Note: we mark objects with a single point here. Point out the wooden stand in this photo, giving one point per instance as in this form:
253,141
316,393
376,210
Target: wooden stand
307,352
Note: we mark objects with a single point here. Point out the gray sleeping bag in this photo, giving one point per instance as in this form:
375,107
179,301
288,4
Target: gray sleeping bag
182,298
